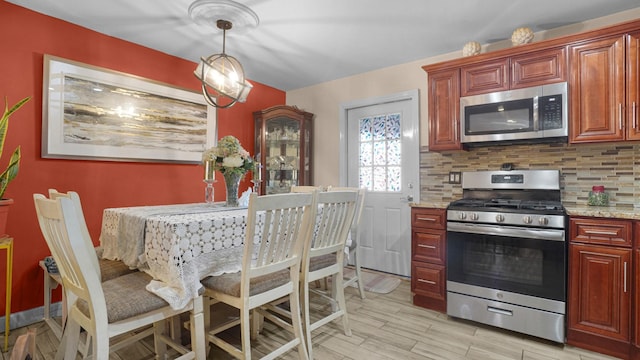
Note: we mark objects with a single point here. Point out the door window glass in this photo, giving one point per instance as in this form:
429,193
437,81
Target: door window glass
380,153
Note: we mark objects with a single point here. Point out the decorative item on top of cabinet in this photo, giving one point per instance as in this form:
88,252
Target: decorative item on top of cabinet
471,48
600,278
605,89
428,282
521,35
283,147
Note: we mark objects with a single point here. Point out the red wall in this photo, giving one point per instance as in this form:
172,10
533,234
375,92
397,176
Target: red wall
27,36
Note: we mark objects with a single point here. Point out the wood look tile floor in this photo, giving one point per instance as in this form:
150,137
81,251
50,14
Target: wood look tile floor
384,326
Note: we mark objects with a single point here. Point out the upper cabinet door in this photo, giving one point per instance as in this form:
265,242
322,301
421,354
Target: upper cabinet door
444,110
539,68
633,86
597,90
485,77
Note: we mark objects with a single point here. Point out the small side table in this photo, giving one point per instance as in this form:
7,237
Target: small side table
6,243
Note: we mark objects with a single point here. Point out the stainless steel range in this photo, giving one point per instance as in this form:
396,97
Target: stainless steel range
507,252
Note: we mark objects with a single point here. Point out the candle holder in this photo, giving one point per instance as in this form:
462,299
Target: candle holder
256,186
208,191
257,178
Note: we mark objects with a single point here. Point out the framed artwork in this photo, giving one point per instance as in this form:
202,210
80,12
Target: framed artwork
100,114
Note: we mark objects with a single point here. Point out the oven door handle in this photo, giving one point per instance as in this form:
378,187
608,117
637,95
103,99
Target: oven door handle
509,231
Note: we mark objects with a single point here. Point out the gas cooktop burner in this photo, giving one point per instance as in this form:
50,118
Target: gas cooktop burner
498,203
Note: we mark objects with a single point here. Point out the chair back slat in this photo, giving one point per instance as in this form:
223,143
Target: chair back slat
355,227
277,228
336,211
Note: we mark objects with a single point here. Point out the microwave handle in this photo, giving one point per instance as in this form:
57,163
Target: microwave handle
536,117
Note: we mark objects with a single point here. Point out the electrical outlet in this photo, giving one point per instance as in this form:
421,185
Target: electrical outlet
455,177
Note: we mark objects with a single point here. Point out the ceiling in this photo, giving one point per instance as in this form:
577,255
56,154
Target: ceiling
299,43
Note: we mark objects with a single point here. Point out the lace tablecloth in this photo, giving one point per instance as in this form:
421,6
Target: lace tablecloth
176,244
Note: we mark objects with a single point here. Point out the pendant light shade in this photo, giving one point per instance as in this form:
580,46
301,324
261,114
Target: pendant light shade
221,75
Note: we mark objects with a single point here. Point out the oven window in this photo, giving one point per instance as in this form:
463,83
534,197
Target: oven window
524,266
497,118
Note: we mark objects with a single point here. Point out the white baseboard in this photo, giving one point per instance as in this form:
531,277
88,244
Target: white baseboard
31,316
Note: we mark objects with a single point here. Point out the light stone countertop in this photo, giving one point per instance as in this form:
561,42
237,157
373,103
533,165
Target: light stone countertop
593,211
433,205
603,211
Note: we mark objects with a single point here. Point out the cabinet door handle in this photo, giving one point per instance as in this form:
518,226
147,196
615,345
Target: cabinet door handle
634,116
625,277
620,115
427,281
426,246
600,232
426,218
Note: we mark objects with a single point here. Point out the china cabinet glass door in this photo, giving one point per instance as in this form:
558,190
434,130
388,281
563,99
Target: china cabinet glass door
283,147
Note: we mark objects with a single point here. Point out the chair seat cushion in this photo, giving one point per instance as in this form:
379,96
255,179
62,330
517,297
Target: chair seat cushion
230,283
110,269
320,262
126,296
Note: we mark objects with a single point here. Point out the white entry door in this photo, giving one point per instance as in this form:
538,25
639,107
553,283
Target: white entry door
382,155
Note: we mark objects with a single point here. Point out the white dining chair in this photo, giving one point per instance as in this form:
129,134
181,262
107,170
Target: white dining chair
111,308
324,257
354,244
277,228
108,269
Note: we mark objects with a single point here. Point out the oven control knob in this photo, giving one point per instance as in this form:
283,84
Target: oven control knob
462,215
543,221
527,219
499,218
473,216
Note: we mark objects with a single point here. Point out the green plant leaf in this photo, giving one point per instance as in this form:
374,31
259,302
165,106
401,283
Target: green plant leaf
11,172
14,162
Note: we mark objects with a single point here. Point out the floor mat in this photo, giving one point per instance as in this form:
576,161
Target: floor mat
380,283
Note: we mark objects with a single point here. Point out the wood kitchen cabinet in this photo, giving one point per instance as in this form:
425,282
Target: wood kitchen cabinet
428,280
547,66
444,110
636,291
447,85
605,89
485,77
524,70
600,285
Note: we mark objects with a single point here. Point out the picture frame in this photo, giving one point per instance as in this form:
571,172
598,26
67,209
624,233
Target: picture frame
93,113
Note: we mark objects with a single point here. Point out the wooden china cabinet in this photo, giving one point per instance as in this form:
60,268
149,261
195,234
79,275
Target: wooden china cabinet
600,285
283,147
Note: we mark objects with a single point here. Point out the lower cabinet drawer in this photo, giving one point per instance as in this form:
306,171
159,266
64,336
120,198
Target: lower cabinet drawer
428,246
428,280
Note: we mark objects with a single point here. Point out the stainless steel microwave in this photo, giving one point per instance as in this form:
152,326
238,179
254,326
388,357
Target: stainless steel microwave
530,114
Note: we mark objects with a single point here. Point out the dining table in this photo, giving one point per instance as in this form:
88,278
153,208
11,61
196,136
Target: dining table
178,245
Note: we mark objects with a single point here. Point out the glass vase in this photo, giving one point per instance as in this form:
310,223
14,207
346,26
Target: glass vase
232,182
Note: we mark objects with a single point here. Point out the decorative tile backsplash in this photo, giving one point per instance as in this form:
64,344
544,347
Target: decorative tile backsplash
614,165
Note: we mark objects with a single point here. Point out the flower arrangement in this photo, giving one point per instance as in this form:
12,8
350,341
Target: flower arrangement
228,156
